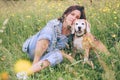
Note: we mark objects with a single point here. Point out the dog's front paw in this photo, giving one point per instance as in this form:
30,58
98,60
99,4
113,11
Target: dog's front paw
88,62
85,59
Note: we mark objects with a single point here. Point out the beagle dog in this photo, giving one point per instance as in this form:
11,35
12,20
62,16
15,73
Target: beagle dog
85,41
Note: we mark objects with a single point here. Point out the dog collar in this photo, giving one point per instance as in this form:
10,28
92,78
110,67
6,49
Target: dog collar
82,34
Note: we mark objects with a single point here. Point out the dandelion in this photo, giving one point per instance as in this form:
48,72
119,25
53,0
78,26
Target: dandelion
22,65
4,76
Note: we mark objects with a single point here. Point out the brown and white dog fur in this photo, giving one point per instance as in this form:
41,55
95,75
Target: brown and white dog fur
84,40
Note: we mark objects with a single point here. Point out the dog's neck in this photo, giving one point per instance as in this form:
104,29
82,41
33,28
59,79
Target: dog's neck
80,35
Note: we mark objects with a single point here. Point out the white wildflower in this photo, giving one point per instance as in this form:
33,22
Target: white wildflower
1,31
5,22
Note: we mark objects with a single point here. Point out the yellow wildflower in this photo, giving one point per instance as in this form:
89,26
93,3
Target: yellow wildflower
118,5
4,76
115,17
12,15
115,12
22,65
28,16
106,9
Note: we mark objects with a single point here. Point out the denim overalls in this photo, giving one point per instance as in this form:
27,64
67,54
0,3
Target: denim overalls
52,32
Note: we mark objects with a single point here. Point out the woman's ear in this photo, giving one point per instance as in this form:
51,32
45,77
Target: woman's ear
88,26
65,16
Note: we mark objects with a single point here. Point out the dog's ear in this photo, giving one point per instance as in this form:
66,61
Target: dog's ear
73,28
88,26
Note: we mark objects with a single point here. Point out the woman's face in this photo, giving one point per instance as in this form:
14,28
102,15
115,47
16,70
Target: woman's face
71,17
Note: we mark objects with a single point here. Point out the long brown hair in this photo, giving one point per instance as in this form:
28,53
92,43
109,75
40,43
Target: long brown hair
72,8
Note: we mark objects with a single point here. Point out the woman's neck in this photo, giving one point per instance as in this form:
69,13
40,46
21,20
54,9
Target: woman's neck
66,29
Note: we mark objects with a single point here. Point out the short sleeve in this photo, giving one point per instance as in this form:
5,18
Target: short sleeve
47,32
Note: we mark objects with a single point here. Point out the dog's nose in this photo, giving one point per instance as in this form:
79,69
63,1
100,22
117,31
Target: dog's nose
79,28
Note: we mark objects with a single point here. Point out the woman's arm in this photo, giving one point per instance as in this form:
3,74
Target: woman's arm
46,35
41,47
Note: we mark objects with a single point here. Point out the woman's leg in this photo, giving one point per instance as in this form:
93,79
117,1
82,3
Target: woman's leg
50,59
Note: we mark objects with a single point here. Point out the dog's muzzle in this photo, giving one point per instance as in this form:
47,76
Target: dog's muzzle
80,33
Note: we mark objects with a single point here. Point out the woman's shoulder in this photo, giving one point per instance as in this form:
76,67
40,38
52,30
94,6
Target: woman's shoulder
54,21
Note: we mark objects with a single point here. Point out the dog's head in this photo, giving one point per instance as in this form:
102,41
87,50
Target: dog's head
80,27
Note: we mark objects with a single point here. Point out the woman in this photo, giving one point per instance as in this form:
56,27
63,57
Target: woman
44,47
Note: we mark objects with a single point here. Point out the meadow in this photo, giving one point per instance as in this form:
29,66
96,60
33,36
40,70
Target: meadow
21,19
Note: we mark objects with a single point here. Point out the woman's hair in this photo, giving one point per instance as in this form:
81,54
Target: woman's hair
72,8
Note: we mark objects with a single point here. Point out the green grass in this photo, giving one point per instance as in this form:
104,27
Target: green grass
28,17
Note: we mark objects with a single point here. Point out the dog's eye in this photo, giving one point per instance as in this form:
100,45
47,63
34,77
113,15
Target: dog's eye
82,23
76,23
